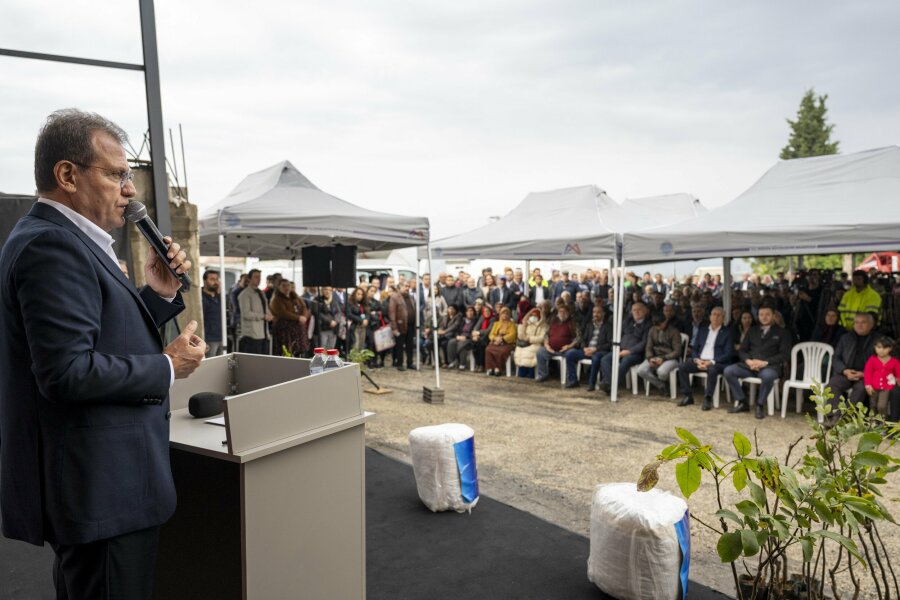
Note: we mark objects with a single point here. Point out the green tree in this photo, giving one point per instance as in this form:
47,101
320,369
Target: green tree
810,136
810,133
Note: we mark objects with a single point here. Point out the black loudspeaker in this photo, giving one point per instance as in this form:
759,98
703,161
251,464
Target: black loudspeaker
316,266
329,266
206,404
343,266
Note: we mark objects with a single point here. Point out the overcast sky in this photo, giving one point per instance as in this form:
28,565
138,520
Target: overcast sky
456,110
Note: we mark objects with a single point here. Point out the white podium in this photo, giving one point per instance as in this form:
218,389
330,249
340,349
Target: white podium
272,505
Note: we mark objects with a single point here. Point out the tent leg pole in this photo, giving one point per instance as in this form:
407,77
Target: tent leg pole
527,276
437,353
224,294
615,322
726,293
617,345
418,335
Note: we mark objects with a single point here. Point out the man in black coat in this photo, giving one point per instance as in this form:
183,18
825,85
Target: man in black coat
850,356
763,353
713,351
635,330
596,342
84,378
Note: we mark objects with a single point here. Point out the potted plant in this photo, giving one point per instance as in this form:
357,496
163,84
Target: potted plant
824,501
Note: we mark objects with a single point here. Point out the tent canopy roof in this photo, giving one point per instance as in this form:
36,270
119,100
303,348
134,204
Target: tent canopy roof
275,212
570,223
821,205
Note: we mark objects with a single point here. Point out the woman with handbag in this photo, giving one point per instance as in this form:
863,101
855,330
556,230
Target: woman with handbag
501,342
530,338
359,319
377,320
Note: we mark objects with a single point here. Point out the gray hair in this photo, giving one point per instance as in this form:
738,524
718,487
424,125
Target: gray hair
718,309
67,135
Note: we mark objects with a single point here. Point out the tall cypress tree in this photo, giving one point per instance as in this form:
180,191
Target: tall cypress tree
810,133
810,136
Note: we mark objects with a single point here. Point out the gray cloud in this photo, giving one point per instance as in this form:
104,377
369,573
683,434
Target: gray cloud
457,110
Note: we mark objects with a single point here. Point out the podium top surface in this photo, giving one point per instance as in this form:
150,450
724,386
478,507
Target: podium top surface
196,435
271,403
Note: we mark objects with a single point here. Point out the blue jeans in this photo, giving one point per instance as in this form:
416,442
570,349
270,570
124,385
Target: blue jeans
625,363
543,362
576,354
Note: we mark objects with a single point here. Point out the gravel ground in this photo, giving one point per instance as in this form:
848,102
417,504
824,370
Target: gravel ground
542,448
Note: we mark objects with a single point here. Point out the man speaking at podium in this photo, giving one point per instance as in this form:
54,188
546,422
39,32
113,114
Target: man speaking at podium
84,378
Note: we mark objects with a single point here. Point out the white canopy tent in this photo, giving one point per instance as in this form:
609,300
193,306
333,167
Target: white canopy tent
821,205
274,213
577,222
564,223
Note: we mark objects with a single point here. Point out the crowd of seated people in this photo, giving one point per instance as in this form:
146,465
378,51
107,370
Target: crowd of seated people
544,323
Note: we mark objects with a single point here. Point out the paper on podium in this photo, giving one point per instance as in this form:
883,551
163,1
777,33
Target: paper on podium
217,421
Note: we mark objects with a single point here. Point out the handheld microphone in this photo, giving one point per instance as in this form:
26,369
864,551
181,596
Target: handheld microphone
136,212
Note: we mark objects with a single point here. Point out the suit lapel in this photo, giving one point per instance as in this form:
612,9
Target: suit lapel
48,213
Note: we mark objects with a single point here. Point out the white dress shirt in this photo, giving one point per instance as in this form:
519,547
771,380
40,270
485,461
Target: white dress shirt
709,348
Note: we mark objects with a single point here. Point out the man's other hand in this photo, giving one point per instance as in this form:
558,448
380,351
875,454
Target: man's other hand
186,351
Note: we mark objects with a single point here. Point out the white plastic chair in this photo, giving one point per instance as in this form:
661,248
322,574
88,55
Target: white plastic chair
562,368
704,376
773,400
583,361
509,366
673,375
815,354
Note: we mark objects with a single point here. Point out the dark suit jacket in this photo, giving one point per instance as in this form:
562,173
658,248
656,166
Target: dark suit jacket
605,341
845,351
83,390
723,349
775,348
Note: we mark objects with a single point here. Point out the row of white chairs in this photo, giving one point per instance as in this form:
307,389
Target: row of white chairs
816,355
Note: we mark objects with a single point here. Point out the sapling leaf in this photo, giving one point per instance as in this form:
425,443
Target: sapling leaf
870,459
758,494
649,476
687,436
724,513
844,541
687,474
749,542
807,546
749,508
739,477
730,546
741,444
868,441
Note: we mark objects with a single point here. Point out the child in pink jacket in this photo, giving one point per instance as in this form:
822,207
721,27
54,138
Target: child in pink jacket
881,374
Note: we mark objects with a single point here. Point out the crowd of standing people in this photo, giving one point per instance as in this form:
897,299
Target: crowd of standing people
487,322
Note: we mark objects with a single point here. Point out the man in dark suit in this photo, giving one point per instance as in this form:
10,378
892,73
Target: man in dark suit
712,352
84,378
763,353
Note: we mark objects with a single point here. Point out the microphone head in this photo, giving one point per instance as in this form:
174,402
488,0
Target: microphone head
135,211
206,404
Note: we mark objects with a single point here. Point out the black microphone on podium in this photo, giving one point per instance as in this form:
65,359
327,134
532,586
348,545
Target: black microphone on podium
136,212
